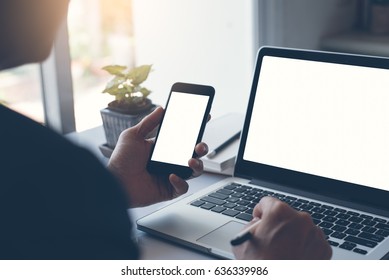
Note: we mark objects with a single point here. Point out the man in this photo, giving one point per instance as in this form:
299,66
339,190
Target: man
58,202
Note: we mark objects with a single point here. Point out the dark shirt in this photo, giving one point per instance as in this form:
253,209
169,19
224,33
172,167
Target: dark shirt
57,201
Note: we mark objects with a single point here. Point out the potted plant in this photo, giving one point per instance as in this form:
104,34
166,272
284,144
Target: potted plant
130,105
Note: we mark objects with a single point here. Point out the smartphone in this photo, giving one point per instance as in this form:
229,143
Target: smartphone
182,127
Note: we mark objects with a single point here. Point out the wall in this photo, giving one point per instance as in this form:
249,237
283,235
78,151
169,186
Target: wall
215,42
199,41
303,23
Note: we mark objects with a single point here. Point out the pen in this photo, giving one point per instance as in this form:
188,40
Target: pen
224,145
244,235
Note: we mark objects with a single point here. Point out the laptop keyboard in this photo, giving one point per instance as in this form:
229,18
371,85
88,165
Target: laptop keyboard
349,230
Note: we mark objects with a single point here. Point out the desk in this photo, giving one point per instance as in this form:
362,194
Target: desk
151,247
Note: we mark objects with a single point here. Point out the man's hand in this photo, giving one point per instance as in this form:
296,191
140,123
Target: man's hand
283,233
129,159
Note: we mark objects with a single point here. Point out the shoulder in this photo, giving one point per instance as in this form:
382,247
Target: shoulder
54,193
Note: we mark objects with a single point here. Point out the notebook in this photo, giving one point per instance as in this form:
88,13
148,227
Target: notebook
217,132
316,136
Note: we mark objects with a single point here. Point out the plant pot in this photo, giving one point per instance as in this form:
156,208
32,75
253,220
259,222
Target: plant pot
115,122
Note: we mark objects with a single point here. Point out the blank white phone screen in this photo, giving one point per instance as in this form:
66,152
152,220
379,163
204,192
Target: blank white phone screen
180,128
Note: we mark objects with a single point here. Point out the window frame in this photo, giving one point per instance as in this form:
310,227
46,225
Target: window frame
57,85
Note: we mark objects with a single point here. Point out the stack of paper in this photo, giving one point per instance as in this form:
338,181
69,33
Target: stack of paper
218,131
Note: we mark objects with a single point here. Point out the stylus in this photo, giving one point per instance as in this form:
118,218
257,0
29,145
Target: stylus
244,235
224,145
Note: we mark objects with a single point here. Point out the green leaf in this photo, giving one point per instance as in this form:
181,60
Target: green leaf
145,92
113,85
139,74
120,96
129,88
116,70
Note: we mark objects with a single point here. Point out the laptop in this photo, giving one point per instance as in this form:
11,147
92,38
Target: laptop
316,136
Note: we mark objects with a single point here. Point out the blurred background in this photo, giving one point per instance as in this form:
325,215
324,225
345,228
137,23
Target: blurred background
200,41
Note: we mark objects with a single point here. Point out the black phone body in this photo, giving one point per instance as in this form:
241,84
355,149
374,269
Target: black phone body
182,127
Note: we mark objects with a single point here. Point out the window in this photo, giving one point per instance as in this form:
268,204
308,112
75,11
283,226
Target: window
20,90
100,33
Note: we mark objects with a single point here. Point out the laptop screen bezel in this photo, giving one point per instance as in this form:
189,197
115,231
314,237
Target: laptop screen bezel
302,181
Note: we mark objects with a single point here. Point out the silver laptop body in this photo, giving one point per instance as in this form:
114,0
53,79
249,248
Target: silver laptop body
316,135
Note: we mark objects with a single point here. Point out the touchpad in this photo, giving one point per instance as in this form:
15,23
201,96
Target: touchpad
220,238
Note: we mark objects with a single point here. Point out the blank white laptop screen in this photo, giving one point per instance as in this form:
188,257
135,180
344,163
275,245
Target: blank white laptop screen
324,119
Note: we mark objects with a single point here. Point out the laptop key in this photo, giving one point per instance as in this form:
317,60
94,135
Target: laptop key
348,246
252,205
238,195
315,204
213,200
355,226
372,237
333,243
355,219
366,216
382,232
368,222
340,210
254,192
230,205
361,241
330,213
319,209
230,212
382,226
306,207
268,192
232,186
360,251
218,209
225,191
326,225
369,229
197,203
329,219
296,204
248,197
232,199
352,231
352,213
339,235
243,202
244,216
343,216
317,216
316,221
339,228
327,231
240,208
219,195
342,222
208,206
379,220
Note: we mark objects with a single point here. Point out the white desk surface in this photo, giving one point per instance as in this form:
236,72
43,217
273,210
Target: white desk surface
151,247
